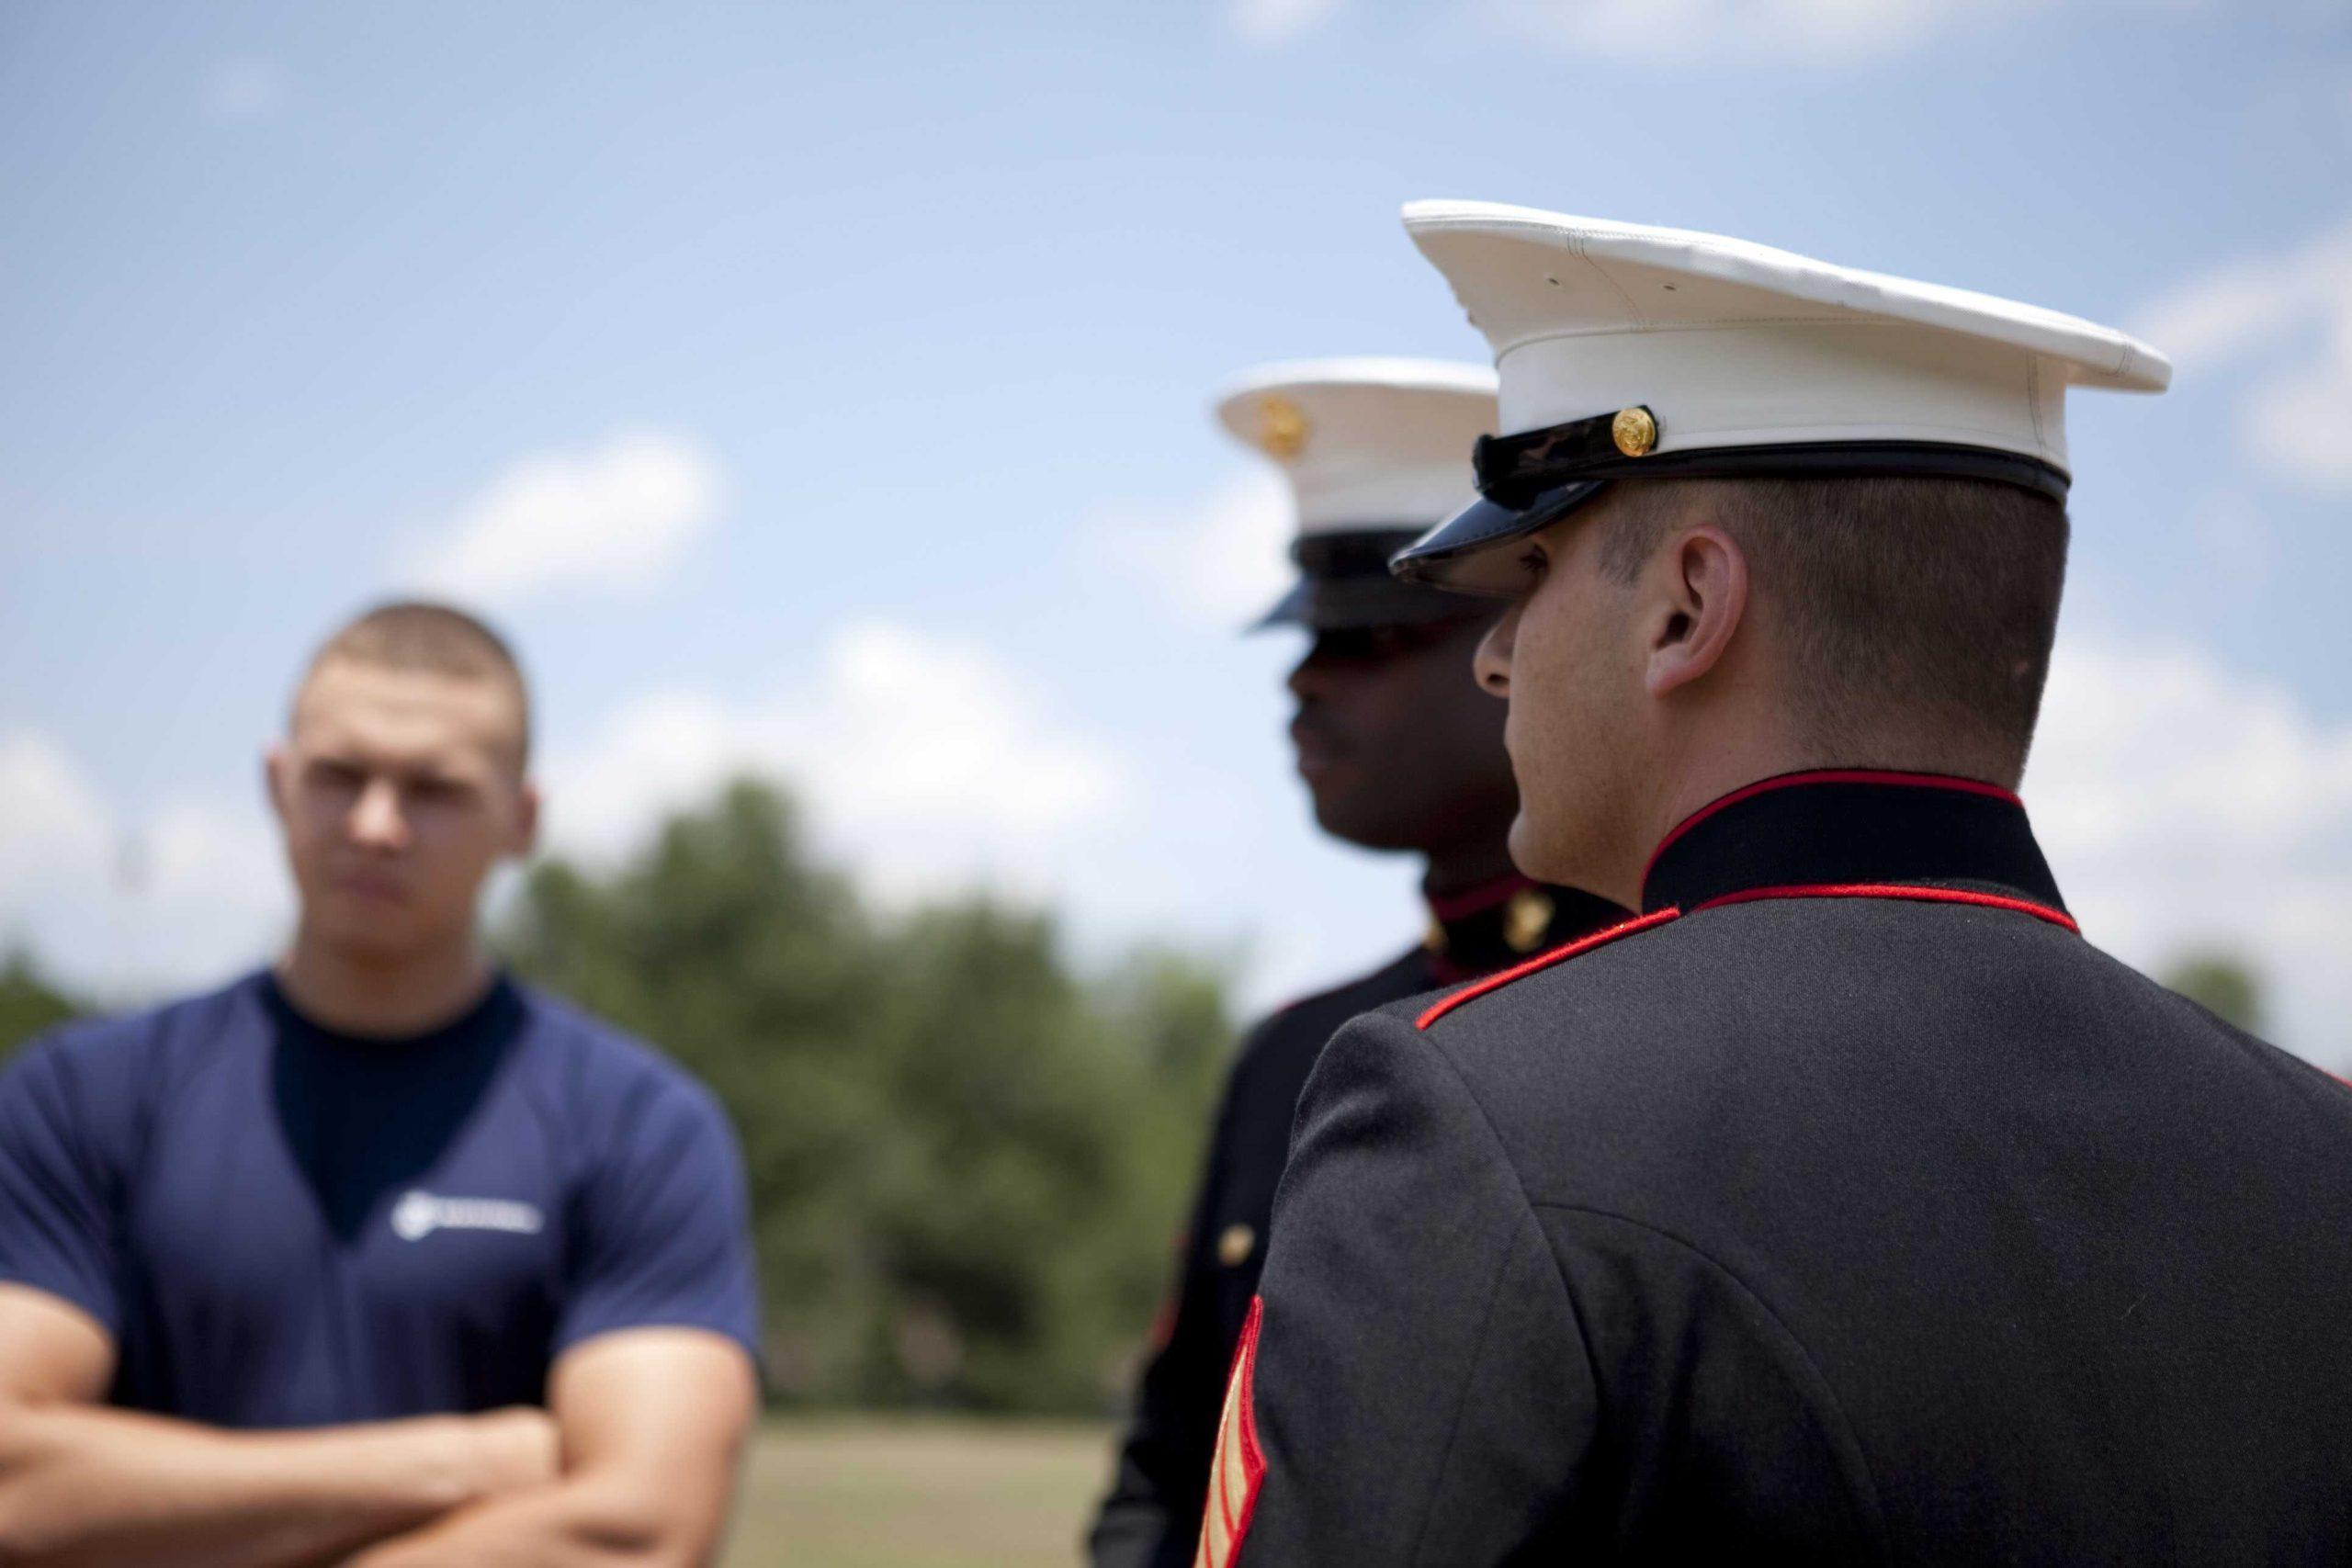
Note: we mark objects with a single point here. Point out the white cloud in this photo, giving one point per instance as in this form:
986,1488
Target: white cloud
1810,32
51,824
126,903
1814,32
2292,313
2186,806
1218,562
245,91
929,767
1278,21
612,517
926,761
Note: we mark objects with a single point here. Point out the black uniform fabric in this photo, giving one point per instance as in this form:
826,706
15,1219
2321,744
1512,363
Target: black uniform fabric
1153,1513
1854,1209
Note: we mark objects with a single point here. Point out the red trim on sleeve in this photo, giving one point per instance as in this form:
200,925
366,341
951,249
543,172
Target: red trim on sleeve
1830,775
1240,1467
2058,918
1446,1004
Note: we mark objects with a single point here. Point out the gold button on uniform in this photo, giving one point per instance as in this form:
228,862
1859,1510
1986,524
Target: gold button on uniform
1526,918
1635,431
1235,1244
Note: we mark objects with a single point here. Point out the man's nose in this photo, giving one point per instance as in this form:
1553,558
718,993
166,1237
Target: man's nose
1492,661
1311,676
375,819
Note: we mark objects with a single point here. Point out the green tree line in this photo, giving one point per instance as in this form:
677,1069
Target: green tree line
967,1158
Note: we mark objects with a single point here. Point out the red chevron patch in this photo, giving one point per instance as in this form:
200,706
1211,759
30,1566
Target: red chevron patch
1240,1465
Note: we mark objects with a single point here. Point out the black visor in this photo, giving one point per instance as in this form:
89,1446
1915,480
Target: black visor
1528,481
1345,585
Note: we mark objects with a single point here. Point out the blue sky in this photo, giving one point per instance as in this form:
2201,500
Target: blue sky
826,387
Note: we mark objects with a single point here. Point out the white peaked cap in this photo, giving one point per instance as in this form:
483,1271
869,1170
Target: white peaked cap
1732,357
1367,444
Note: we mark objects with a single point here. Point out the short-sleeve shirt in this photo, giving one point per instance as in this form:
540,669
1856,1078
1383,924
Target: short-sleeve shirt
283,1226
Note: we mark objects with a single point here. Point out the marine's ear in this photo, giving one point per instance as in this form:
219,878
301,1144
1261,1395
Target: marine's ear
1698,587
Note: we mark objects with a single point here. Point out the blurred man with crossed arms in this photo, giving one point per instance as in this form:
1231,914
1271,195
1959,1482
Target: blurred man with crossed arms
374,1256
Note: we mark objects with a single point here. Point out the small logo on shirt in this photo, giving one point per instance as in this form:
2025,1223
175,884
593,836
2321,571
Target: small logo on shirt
418,1214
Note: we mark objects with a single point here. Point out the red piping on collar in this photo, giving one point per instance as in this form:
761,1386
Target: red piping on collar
2058,918
1475,900
1828,775
1446,1004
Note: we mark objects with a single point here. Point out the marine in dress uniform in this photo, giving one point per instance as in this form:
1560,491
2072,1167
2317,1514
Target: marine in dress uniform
1846,1205
1375,450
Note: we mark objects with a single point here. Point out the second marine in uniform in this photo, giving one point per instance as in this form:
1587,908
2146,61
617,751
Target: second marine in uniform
1401,752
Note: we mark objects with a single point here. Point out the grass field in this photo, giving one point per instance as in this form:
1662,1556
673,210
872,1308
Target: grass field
870,1493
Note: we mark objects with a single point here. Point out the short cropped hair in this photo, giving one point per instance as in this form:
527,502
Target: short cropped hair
416,636
1908,601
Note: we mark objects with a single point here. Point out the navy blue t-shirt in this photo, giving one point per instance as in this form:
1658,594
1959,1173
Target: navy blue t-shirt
282,1226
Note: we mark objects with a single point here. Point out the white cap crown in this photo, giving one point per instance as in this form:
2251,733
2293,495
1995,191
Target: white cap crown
1735,345
1366,444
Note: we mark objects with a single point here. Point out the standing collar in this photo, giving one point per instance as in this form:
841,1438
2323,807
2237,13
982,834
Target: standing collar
1850,831
1498,923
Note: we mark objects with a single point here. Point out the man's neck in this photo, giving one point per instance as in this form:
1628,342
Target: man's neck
1462,867
385,998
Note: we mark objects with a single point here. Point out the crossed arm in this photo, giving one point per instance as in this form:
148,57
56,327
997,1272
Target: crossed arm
651,1422
633,1463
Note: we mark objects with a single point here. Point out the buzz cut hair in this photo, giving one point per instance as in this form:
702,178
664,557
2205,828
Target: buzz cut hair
419,637
1910,605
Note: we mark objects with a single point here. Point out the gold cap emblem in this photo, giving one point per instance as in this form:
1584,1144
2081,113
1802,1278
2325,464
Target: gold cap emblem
1235,1244
1527,917
1282,427
1635,431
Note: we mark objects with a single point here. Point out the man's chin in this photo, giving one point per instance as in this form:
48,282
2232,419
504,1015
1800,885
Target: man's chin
357,937
1341,819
